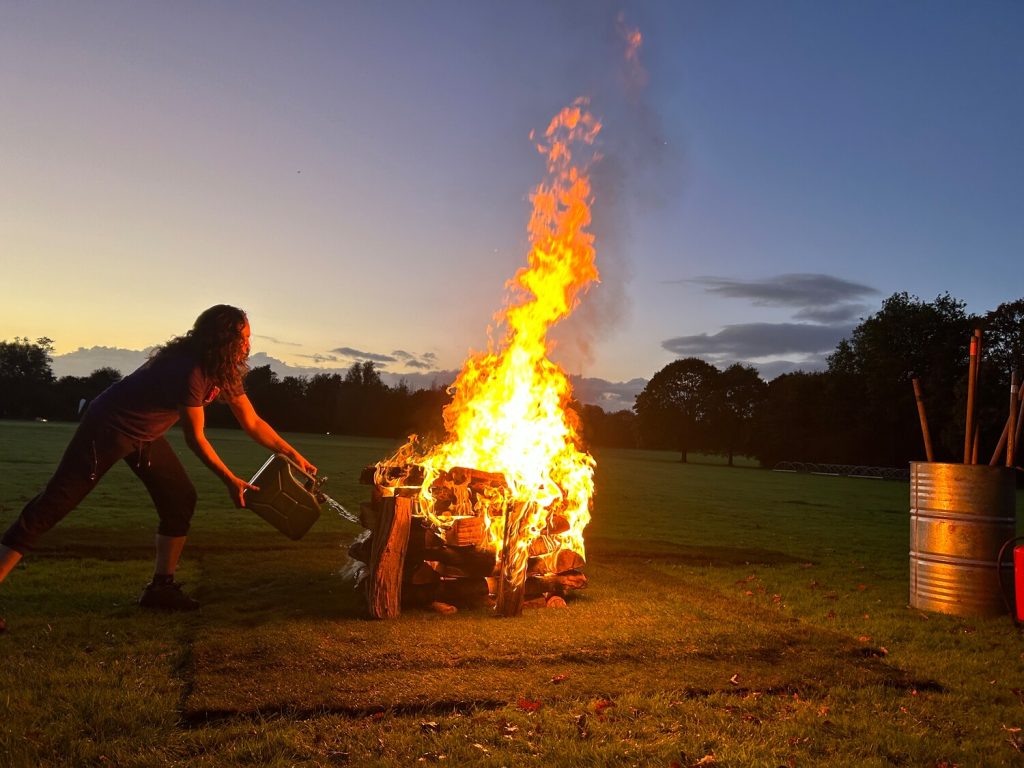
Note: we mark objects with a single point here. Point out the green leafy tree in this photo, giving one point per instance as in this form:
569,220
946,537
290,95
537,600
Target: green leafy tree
677,405
793,421
872,373
739,392
25,377
1004,339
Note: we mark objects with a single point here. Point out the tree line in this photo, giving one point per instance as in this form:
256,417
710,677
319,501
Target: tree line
860,410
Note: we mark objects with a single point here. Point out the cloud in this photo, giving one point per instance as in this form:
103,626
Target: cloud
84,361
272,340
610,395
760,340
423,362
775,368
316,357
837,314
804,290
360,356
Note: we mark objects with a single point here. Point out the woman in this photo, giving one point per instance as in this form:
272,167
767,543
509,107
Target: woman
128,421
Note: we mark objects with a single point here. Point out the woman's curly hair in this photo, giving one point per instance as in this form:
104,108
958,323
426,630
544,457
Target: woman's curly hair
216,340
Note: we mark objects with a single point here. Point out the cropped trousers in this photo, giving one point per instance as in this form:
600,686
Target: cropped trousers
93,450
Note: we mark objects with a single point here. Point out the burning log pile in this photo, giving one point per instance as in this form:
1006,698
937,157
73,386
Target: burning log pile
458,536
498,506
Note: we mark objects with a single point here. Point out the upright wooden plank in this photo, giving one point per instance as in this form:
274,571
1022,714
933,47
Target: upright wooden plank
387,559
515,554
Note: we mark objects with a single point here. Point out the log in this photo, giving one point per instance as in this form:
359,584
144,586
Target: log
471,561
397,474
555,584
514,560
473,477
369,514
563,560
465,532
387,561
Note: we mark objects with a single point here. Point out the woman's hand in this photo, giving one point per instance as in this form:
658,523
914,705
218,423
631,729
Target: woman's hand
236,490
306,467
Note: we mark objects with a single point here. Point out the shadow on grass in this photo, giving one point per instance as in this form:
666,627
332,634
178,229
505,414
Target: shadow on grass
667,551
284,638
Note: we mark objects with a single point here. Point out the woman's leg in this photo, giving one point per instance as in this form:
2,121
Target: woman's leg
92,451
174,497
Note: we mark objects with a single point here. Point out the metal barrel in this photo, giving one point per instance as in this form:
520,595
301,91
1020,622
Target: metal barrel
960,515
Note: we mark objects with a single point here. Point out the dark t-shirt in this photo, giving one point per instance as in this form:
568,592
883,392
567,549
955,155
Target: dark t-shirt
144,404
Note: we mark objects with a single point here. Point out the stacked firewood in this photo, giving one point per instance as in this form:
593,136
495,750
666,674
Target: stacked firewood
435,548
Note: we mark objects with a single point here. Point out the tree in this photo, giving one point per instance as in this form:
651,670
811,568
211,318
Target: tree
792,423
739,392
1004,339
70,394
608,430
25,377
907,337
676,406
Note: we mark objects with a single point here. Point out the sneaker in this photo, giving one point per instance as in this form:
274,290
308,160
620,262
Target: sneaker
167,597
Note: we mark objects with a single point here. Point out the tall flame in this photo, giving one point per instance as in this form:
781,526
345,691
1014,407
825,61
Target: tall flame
509,413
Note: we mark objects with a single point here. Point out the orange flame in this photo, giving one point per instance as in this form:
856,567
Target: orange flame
509,413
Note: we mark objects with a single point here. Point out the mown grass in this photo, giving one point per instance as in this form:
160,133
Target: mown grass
734,617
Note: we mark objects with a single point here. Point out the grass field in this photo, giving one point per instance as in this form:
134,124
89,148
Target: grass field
734,617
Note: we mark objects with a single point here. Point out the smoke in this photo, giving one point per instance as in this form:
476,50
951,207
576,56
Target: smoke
639,171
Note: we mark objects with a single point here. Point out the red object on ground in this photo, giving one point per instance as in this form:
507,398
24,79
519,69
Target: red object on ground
1018,579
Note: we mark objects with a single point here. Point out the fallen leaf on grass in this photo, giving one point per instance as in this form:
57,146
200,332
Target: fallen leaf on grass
508,730
602,704
429,727
431,757
559,679
735,679
581,726
482,748
528,705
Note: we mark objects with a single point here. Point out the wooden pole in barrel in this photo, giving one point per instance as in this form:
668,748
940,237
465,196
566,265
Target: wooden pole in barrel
924,420
1020,416
972,378
997,454
1012,425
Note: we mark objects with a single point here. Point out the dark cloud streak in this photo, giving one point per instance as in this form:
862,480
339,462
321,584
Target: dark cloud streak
804,290
756,340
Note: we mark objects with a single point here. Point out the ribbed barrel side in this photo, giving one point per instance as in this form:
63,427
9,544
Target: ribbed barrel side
960,515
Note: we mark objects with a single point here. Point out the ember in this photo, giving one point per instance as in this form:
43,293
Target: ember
507,493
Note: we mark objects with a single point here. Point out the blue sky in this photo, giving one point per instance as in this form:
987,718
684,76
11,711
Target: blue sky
356,175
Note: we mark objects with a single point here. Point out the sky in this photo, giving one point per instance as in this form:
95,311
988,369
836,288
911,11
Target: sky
357,175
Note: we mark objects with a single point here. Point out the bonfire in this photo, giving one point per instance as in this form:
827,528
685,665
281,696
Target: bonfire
507,492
